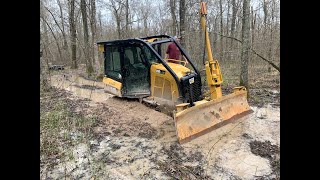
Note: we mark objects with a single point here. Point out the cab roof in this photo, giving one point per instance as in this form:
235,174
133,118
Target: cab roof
157,39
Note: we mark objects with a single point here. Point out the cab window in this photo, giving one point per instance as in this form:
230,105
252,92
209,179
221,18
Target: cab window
112,63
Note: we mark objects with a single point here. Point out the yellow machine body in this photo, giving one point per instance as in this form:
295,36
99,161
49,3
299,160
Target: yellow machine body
163,85
112,86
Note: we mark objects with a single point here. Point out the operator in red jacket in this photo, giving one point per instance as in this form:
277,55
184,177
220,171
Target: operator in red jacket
173,52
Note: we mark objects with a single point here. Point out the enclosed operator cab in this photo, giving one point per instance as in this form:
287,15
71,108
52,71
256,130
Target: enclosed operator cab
135,68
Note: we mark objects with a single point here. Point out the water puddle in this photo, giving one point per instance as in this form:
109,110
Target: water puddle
84,88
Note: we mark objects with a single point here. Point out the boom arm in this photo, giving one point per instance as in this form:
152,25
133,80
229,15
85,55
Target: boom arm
213,73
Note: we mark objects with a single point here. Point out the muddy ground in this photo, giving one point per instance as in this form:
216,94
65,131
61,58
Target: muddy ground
132,141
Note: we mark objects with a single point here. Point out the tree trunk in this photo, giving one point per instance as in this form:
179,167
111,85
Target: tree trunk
65,43
46,49
46,40
100,25
228,15
173,15
73,36
145,25
265,28
253,24
227,45
215,36
265,11
233,23
93,26
117,14
221,31
43,78
270,56
86,38
244,80
118,26
182,22
127,18
56,40
100,56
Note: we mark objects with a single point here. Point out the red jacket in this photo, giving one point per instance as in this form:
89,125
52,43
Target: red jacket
173,52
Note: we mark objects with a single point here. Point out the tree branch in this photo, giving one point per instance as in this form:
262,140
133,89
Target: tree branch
254,52
53,18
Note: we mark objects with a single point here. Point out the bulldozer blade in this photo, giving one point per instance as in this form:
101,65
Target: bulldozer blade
206,116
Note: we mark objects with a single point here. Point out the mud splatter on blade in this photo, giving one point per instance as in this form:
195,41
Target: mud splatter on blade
205,117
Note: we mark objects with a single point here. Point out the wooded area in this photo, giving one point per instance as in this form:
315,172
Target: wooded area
245,35
130,119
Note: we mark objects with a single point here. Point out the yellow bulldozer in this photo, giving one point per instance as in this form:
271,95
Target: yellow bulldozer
135,68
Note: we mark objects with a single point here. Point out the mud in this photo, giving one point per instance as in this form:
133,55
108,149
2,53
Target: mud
262,97
133,141
88,87
269,151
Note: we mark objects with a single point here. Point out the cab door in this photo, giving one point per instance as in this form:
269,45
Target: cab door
136,80
113,69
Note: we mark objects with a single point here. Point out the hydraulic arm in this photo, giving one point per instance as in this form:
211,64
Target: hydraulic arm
213,73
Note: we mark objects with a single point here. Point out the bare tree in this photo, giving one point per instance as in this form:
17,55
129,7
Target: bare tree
127,19
227,31
43,78
182,13
44,65
233,21
86,37
100,32
228,17
65,42
73,34
93,26
100,25
265,26
55,38
173,15
145,16
253,25
244,80
117,7
221,31
270,41
47,52
265,11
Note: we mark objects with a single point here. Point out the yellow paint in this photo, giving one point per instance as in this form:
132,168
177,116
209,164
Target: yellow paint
112,86
151,40
101,48
207,114
178,61
214,76
179,70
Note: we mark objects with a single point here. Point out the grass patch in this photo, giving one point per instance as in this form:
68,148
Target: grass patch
61,126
